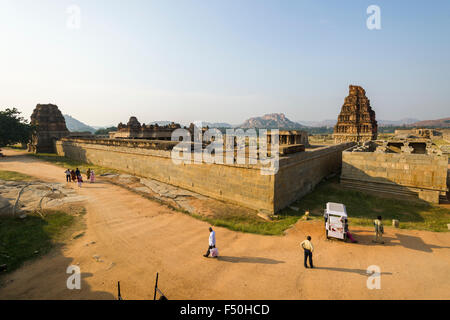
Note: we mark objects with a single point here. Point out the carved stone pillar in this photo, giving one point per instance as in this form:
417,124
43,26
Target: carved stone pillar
382,148
407,148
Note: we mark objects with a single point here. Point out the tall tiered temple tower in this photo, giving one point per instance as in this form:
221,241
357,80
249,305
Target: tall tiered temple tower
356,122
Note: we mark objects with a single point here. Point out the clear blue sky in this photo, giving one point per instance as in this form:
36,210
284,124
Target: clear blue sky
224,60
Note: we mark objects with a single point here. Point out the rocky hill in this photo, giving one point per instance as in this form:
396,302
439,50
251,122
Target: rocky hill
218,124
271,121
381,123
329,123
439,123
75,125
401,122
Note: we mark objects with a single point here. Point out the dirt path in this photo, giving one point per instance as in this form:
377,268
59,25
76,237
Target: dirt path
135,238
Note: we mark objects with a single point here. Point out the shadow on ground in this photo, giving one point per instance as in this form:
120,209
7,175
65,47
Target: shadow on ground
404,240
349,270
248,260
33,257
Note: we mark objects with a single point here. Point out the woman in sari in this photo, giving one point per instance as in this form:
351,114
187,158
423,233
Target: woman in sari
79,180
73,175
92,176
88,173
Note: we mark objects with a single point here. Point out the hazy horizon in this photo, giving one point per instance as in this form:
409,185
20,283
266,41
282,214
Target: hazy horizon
187,123
185,61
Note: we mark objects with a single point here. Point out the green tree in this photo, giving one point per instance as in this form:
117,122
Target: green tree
105,130
13,128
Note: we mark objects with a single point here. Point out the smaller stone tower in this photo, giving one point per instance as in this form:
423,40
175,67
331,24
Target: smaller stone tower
50,126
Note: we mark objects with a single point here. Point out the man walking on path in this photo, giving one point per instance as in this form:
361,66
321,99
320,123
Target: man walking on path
308,248
68,178
212,241
77,172
379,230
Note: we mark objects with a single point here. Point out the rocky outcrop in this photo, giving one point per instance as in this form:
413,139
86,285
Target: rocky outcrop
55,194
50,127
271,121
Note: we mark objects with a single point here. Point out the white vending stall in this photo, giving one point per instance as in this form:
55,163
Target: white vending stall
336,220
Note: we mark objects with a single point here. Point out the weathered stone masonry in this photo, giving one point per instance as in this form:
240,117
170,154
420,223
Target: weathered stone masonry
240,184
401,174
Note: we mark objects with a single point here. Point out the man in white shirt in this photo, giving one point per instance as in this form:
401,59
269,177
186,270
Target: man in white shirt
212,241
67,172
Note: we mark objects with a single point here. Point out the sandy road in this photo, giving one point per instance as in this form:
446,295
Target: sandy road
135,238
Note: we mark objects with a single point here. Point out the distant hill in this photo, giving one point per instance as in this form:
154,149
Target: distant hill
161,123
324,123
217,124
271,121
382,123
396,123
439,123
75,125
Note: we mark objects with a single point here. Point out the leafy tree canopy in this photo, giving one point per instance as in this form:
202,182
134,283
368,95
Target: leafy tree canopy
105,130
13,128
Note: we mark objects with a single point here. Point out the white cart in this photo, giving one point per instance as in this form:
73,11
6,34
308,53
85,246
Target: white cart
336,221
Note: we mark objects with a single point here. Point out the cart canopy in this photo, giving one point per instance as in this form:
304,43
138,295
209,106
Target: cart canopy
336,209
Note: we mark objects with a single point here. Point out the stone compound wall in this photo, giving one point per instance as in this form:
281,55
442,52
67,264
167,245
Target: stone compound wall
399,174
301,172
240,184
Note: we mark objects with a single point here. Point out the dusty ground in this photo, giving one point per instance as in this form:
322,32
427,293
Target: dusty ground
135,238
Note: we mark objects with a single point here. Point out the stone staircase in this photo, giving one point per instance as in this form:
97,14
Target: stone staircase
375,188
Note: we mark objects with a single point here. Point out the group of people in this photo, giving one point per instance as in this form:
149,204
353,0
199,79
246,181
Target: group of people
306,244
75,176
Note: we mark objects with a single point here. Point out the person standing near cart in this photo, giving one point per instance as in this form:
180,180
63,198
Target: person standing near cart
379,230
308,249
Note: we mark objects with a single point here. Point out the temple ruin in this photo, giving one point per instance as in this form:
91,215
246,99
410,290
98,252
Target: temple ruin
406,168
410,166
134,130
356,122
50,127
145,150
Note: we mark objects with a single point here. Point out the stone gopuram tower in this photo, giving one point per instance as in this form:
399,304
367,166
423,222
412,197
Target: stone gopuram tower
356,122
50,126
